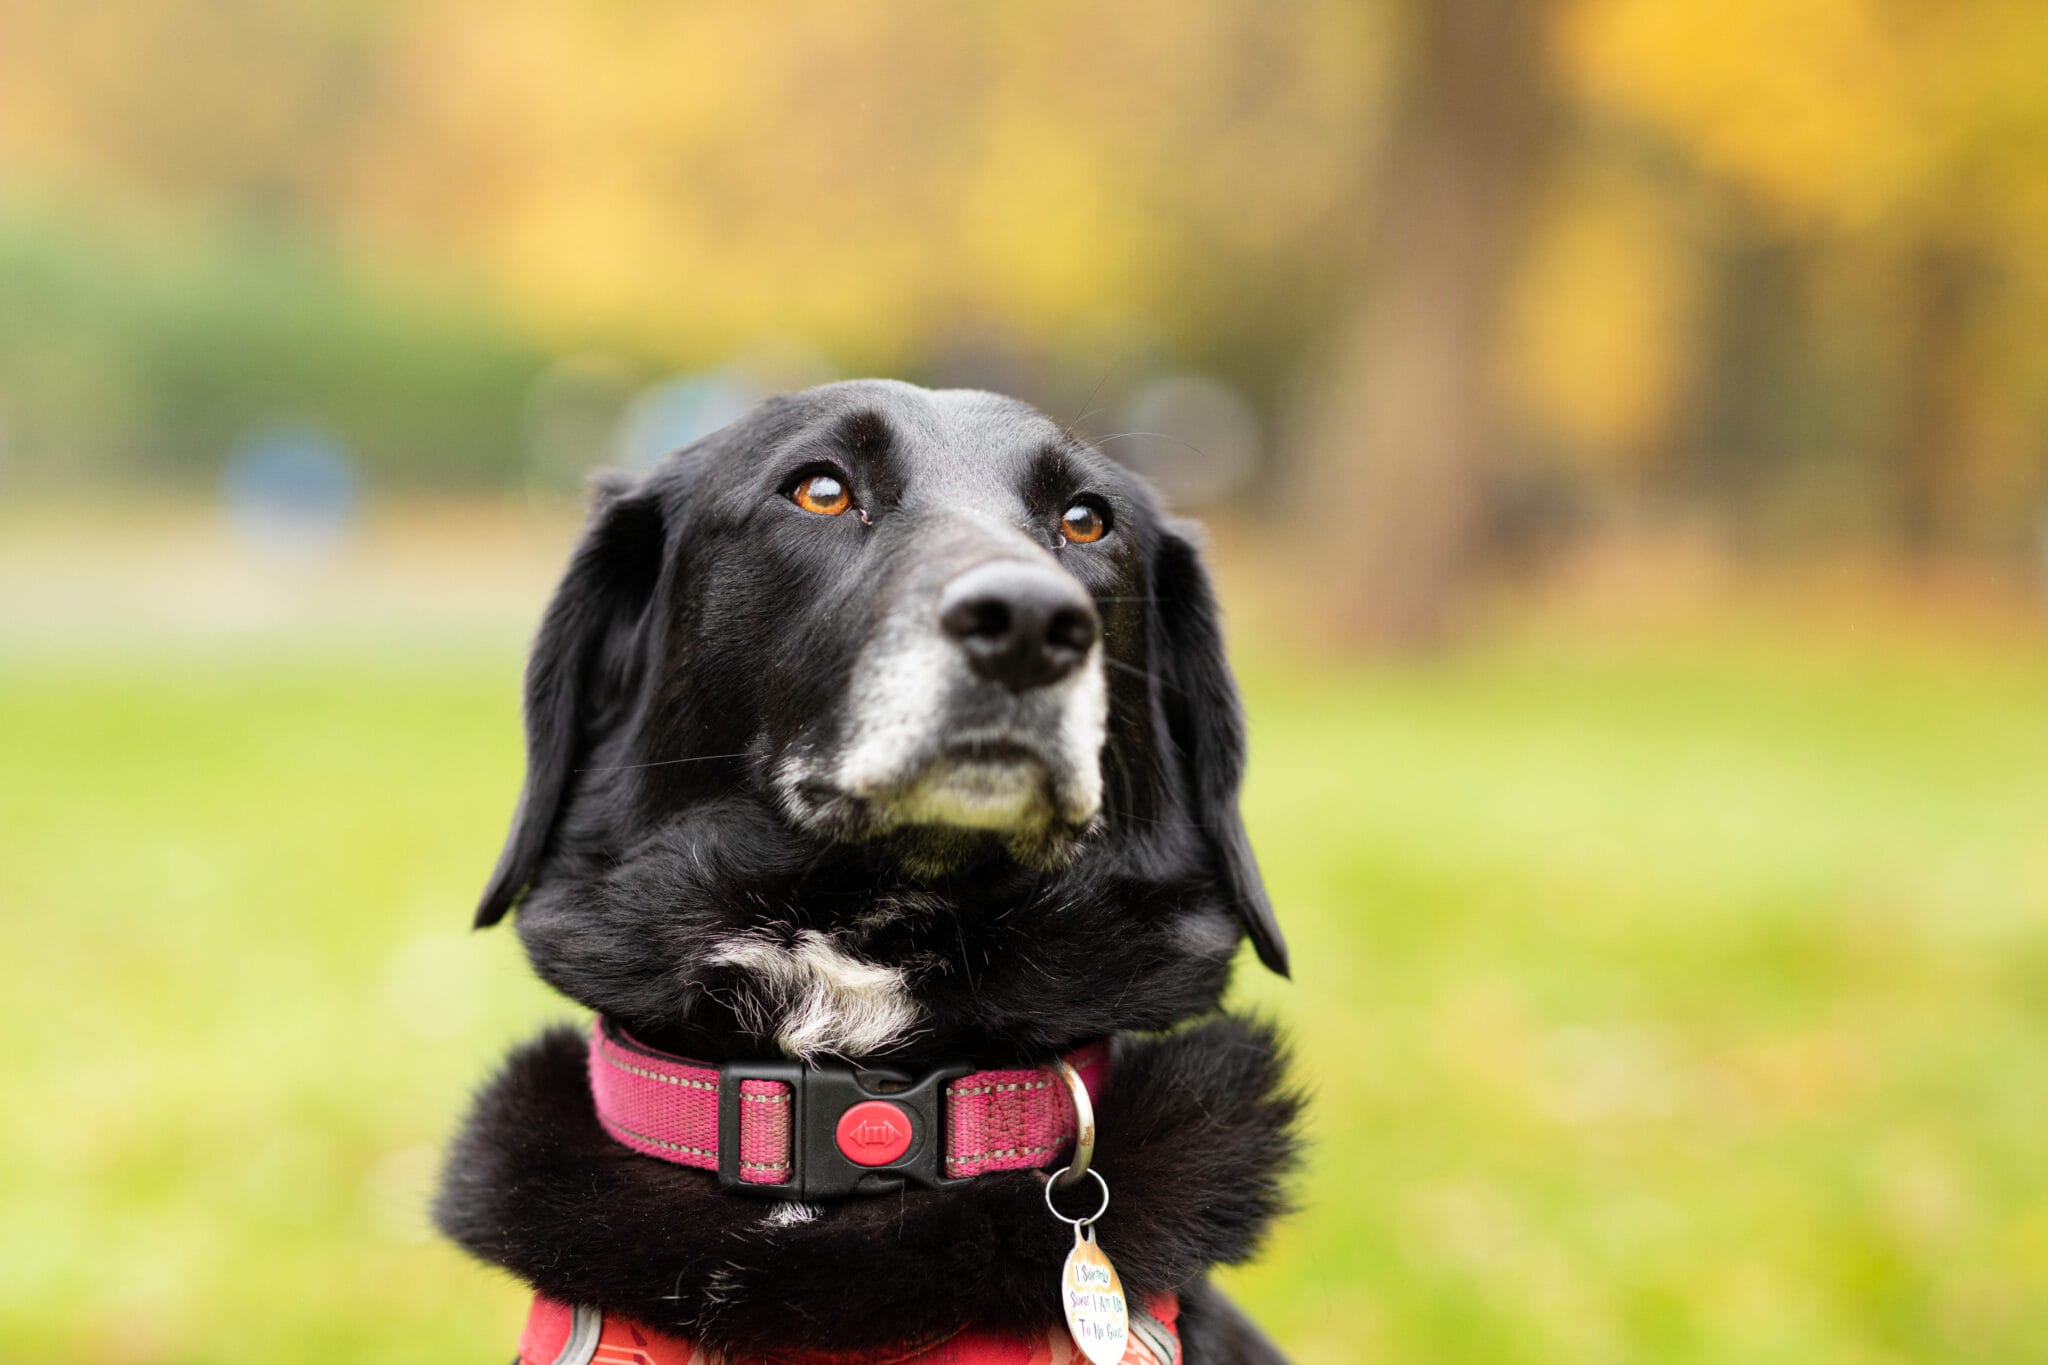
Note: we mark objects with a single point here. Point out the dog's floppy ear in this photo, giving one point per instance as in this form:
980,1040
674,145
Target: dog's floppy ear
1206,724
583,671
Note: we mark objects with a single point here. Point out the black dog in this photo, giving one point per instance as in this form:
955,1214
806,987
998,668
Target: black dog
889,725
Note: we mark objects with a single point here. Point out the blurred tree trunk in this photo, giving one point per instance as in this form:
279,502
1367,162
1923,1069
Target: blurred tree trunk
1936,400
1755,360
1403,425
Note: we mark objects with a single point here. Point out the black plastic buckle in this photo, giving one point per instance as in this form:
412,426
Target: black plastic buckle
818,1096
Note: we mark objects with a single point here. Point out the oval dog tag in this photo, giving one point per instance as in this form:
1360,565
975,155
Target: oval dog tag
1094,1299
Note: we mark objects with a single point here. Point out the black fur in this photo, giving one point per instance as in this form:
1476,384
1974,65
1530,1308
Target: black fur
1194,1146
704,638
1214,1328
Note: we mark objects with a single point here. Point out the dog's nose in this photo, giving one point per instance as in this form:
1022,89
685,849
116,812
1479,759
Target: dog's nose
1021,625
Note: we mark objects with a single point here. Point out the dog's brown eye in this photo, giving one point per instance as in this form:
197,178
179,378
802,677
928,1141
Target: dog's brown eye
1083,523
823,494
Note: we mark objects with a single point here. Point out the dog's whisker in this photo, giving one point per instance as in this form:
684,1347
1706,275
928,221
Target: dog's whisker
1088,403
662,763
1152,436
1166,824
1145,673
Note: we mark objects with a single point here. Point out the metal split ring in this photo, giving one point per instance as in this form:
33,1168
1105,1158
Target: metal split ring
1100,1209
1084,1128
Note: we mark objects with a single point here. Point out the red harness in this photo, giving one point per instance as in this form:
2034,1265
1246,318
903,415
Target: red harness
798,1132
557,1335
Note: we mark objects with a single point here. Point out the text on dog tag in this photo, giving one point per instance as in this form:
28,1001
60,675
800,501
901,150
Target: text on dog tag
1094,1299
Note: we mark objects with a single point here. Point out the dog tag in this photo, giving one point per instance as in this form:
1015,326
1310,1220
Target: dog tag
1094,1299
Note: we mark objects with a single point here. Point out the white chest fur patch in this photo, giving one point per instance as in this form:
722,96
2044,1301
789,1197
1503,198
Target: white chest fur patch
789,1213
818,1000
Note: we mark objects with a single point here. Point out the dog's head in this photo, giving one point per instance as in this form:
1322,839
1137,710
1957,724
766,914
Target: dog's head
876,642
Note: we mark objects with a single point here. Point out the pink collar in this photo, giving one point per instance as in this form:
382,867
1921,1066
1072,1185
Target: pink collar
813,1131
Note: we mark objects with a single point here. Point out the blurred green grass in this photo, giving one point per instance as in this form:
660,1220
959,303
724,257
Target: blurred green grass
1683,1001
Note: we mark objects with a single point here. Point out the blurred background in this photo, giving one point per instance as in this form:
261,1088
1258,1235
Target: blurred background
1624,433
